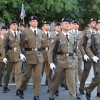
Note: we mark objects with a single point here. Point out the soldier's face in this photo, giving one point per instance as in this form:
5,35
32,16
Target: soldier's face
13,26
33,23
3,31
57,28
93,24
75,26
46,27
65,26
21,28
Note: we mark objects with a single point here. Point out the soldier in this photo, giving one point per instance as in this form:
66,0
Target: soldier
65,62
21,27
78,70
2,34
85,73
32,38
57,31
13,55
48,36
95,57
57,28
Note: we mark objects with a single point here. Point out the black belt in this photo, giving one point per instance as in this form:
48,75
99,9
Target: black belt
46,48
33,49
65,54
10,48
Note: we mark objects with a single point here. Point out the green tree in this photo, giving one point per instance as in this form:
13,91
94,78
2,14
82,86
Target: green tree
52,10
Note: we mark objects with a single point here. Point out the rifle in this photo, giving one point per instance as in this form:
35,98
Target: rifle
85,44
7,46
55,49
94,48
21,43
22,50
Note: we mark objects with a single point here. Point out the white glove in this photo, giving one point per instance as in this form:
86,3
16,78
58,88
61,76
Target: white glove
86,57
95,59
52,66
5,60
22,57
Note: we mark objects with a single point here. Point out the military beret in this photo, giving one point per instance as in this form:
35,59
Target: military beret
75,21
70,20
98,21
46,22
92,19
21,24
14,21
4,27
65,20
33,18
57,24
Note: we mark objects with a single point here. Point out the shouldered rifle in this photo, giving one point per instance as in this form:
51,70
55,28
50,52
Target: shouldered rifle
21,43
55,49
7,46
94,48
85,44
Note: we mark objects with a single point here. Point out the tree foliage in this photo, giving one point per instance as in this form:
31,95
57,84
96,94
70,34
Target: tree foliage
51,10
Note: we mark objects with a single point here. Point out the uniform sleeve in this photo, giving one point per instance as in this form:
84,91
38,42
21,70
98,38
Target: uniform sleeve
51,49
88,49
4,44
81,47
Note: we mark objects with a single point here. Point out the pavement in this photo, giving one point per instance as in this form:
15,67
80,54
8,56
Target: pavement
29,93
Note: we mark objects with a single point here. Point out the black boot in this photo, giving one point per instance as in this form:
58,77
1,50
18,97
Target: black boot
17,92
8,89
78,97
46,82
98,94
51,99
81,91
21,94
47,90
13,79
4,90
88,95
37,98
62,85
57,93
66,88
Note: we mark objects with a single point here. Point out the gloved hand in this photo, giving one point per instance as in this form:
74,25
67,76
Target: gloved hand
22,57
86,57
52,66
5,60
95,59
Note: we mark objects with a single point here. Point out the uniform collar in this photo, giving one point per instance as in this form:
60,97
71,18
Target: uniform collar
34,29
46,33
13,32
66,34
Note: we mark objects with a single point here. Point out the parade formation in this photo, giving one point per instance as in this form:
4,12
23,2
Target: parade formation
32,51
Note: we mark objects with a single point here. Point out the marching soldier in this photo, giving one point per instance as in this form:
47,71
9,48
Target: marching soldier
64,62
3,31
32,38
93,51
48,36
79,35
21,28
13,56
57,31
85,73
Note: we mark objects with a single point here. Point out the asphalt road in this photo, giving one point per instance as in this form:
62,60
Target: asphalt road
29,94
